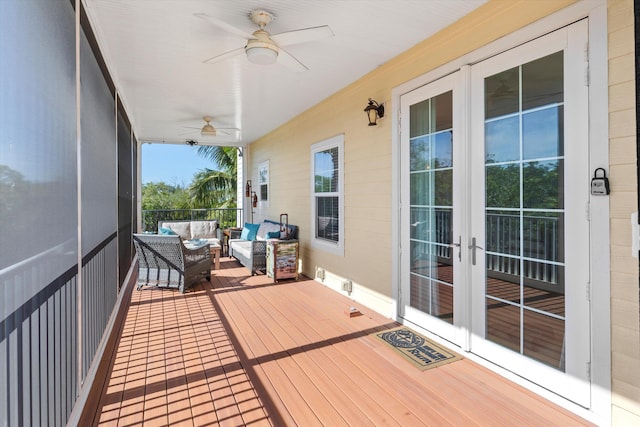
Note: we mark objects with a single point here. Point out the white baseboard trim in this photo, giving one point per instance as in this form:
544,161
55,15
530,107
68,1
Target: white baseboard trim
359,294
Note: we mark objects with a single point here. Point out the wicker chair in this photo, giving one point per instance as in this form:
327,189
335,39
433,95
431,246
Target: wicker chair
165,262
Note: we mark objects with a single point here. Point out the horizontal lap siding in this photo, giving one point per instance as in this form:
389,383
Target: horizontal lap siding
367,150
625,320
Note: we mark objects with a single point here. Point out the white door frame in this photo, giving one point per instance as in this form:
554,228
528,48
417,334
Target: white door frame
572,40
452,332
596,11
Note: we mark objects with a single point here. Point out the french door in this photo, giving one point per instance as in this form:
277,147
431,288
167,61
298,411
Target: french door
495,235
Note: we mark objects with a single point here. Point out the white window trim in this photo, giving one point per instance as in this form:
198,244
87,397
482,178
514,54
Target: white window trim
336,248
263,202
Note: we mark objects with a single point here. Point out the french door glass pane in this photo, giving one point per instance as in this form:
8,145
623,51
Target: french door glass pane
524,217
431,206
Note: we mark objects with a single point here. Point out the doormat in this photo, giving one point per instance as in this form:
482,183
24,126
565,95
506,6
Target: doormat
422,352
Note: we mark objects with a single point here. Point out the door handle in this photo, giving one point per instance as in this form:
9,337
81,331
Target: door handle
459,246
473,248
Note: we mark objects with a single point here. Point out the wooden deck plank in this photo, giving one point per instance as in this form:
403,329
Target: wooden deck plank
489,416
282,325
249,346
306,346
320,310
367,365
260,350
245,351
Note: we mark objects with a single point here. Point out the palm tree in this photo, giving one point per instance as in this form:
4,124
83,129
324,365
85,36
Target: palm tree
216,188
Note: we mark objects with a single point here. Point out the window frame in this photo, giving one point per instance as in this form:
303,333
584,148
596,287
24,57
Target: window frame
263,179
337,247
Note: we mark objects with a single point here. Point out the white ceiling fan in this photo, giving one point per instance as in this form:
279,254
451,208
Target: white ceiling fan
262,47
209,130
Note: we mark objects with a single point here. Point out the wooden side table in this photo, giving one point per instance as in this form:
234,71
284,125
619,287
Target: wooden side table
215,255
282,259
225,239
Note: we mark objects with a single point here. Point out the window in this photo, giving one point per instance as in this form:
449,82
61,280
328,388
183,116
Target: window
263,182
327,199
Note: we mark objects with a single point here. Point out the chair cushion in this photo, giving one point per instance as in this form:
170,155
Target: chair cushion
213,241
203,229
182,228
242,247
166,231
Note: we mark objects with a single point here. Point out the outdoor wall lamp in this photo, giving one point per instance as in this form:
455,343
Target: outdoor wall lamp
247,189
374,112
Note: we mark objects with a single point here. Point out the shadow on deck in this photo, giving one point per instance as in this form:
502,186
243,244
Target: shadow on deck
242,350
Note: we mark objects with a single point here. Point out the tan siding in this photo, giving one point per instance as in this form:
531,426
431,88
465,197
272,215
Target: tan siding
368,209
625,319
368,191
622,149
621,41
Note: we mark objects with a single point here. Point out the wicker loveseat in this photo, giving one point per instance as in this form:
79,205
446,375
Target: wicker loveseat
165,262
194,229
253,253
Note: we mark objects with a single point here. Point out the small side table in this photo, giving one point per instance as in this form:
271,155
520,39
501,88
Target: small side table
215,255
282,259
225,240
214,250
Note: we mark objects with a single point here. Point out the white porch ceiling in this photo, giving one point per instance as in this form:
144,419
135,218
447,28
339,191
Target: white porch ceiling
155,50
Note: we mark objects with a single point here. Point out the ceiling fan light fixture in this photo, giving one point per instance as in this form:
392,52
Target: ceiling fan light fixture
257,53
208,130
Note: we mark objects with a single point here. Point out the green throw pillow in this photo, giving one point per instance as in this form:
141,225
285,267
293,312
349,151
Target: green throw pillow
167,231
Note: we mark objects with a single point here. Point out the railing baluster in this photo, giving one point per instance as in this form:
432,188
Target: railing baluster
228,217
539,243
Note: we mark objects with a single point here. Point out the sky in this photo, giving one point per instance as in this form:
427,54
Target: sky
171,164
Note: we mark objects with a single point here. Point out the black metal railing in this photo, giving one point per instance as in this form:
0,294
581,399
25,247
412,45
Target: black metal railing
227,217
529,245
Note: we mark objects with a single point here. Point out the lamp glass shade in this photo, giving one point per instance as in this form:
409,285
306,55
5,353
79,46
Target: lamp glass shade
261,55
372,114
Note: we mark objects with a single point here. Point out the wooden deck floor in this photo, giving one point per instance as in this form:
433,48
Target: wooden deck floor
245,351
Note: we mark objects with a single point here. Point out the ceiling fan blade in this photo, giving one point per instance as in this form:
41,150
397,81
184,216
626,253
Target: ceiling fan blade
223,25
222,131
223,56
302,36
289,61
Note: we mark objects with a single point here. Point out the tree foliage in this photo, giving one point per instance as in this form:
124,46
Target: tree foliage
216,188
541,185
159,195
210,188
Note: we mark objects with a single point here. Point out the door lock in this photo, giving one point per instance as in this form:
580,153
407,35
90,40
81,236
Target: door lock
473,248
